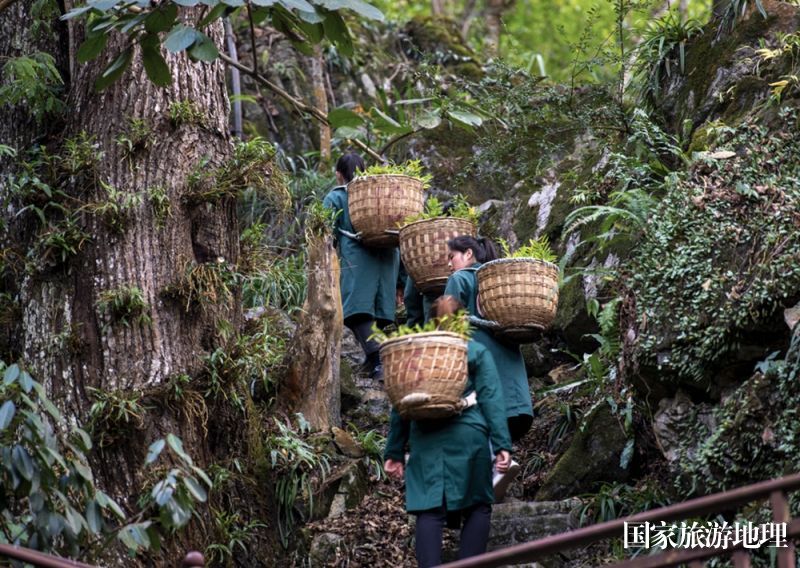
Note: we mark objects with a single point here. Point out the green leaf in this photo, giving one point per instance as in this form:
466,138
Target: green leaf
202,475
84,439
74,520
115,70
180,38
25,381
156,67
342,116
107,502
429,120
627,454
203,48
22,462
92,47
336,31
464,118
7,412
161,19
177,446
265,3
310,17
10,375
297,5
347,132
83,470
154,451
94,518
216,12
358,6
195,489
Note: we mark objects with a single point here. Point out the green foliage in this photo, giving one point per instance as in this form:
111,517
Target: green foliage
233,533
459,208
538,249
411,168
662,53
186,112
138,135
718,255
456,323
48,497
117,207
157,26
567,420
373,445
34,81
254,357
295,463
250,169
736,9
125,304
161,204
617,500
204,284
115,415
281,284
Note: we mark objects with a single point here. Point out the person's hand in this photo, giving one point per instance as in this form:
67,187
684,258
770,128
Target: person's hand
503,461
395,468
446,306
398,296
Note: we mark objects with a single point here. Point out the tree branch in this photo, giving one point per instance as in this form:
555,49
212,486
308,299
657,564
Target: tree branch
299,105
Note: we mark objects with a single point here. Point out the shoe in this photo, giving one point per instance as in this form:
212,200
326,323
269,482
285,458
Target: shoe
501,481
377,373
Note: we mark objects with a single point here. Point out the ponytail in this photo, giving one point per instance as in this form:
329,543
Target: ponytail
483,249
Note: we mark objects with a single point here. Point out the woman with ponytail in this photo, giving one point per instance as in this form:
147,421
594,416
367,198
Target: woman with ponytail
368,276
466,255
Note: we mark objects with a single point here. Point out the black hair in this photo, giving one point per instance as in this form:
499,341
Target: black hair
482,248
349,164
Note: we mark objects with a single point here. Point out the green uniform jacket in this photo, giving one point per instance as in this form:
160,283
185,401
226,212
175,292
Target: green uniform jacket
368,276
449,460
463,284
418,305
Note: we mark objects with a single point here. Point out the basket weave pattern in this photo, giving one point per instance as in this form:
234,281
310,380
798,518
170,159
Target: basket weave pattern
379,203
423,247
518,292
425,373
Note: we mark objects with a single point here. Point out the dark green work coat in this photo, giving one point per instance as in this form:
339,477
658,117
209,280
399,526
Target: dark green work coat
368,275
463,285
449,459
418,305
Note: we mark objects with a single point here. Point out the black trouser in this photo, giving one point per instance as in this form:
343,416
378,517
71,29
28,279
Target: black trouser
474,533
519,425
361,326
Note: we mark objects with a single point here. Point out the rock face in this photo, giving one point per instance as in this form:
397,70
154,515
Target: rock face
677,418
592,457
722,79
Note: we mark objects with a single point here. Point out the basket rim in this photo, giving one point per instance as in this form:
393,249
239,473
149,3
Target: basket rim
410,336
521,259
439,218
363,177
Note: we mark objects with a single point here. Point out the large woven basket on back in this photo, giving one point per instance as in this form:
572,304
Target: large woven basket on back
423,248
425,373
520,294
379,203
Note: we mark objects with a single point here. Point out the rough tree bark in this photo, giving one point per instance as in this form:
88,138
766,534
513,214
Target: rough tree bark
67,341
321,102
312,380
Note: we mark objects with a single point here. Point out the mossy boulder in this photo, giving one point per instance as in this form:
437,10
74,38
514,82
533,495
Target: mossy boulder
440,38
593,457
721,79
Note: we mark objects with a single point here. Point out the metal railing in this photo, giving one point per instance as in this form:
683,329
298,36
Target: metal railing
775,490
192,559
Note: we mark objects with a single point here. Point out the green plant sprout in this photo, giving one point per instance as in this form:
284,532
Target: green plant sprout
538,249
411,168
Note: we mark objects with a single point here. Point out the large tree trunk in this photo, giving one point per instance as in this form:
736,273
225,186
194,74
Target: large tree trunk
321,102
312,382
67,340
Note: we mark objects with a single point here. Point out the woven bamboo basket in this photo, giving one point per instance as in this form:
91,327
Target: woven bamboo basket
379,203
425,374
520,294
423,247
